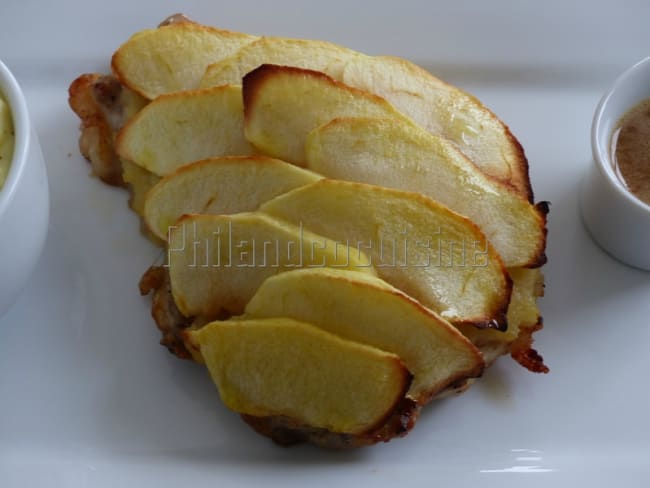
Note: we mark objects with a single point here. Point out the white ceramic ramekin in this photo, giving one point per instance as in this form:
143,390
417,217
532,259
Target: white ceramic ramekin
617,220
24,200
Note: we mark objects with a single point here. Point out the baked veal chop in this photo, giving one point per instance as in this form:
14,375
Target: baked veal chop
104,104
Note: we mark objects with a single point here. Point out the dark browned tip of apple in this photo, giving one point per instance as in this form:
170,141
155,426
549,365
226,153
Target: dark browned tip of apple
254,80
251,84
287,432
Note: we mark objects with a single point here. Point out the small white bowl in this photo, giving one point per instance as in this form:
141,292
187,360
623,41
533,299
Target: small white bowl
24,200
616,219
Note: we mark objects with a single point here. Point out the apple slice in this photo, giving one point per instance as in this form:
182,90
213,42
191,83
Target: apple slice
437,256
184,127
174,57
447,111
217,262
282,105
225,185
404,156
365,309
282,367
299,53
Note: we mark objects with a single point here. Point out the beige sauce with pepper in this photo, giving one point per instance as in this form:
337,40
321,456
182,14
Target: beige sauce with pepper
631,149
6,140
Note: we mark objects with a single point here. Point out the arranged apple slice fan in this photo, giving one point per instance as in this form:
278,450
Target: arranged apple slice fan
347,237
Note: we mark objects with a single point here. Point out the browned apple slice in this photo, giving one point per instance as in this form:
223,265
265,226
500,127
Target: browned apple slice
404,156
282,105
225,185
437,256
366,309
173,58
184,127
217,262
282,367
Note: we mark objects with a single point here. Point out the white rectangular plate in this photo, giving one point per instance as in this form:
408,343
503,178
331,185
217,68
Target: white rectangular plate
88,397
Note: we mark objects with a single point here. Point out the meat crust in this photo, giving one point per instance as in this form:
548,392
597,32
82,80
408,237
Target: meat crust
96,139
103,104
169,320
286,432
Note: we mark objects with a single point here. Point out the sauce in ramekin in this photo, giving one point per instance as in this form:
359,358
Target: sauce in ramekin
631,150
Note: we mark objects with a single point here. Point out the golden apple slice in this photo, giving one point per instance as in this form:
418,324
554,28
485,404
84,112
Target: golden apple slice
404,156
282,105
437,256
225,185
184,127
217,262
445,110
365,309
282,367
299,53
174,57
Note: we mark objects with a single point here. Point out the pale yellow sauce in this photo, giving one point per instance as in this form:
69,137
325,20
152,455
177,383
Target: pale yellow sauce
6,140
